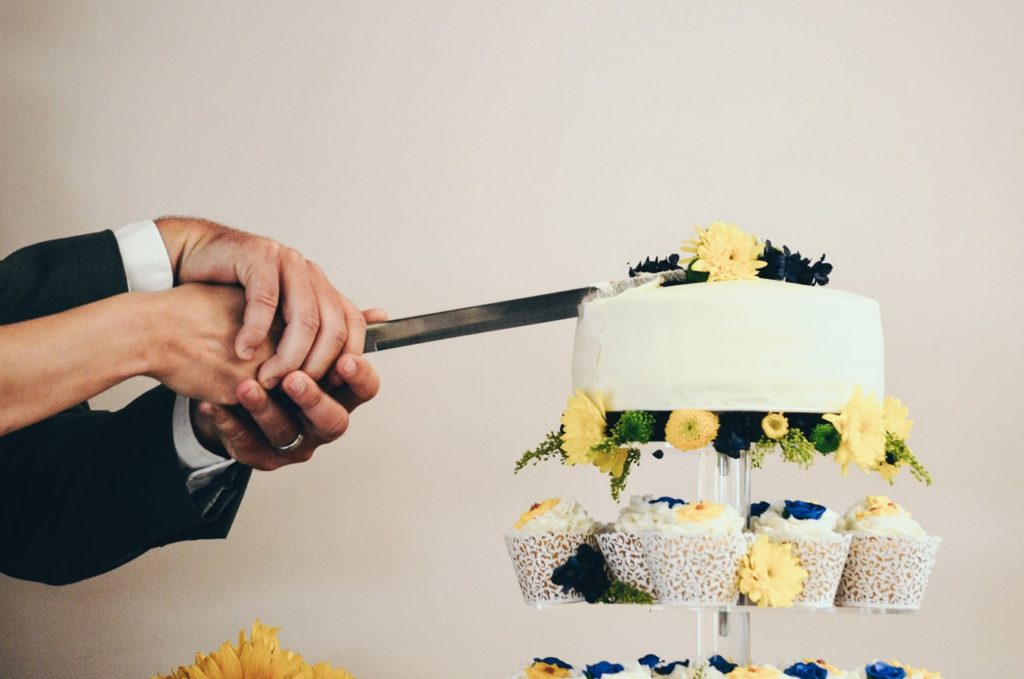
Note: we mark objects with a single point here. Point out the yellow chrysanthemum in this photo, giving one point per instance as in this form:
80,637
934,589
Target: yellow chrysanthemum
879,505
543,670
535,510
691,429
700,511
583,424
770,574
754,672
888,471
613,461
775,426
916,672
725,252
861,426
822,664
896,422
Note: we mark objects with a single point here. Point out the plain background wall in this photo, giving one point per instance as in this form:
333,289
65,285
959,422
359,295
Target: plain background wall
434,155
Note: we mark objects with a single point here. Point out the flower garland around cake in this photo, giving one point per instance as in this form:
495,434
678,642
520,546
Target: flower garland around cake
258,657
868,433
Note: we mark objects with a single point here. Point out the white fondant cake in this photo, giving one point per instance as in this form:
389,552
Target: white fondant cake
758,345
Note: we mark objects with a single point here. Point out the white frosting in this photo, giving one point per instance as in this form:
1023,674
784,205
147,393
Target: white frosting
632,670
861,522
728,522
568,516
731,345
640,515
773,525
678,672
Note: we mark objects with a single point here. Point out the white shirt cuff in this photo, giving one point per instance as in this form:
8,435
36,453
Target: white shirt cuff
146,263
202,464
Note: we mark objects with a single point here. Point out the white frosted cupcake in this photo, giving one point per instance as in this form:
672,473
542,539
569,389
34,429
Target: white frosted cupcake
816,669
718,667
621,544
694,554
890,557
548,668
811,530
607,670
543,539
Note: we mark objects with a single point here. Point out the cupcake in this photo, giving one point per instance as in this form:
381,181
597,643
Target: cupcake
693,556
621,544
543,539
890,557
891,670
676,669
815,669
718,667
609,669
811,530
548,668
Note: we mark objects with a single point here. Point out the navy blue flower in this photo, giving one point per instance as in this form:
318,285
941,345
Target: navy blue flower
759,508
650,660
602,668
784,265
670,501
670,667
584,572
736,431
657,265
806,671
568,575
799,509
881,670
721,664
554,661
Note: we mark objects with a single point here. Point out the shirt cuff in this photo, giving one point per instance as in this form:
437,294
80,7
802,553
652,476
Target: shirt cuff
202,465
146,263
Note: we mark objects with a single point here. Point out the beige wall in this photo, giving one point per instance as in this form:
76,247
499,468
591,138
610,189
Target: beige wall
432,155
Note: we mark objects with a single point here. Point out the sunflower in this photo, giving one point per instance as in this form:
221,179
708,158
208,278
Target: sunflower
583,424
775,425
700,511
691,429
896,422
725,253
536,510
861,424
770,575
754,672
543,670
613,461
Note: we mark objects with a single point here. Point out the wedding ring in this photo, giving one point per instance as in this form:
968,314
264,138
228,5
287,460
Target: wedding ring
291,446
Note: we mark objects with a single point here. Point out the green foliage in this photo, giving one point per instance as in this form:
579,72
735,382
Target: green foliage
825,438
621,593
635,426
759,450
618,483
797,449
551,447
897,453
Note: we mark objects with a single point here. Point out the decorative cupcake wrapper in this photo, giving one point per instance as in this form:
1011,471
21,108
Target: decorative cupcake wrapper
536,555
824,559
624,556
887,572
695,569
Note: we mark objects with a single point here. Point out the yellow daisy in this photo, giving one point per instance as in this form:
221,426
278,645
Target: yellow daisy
725,253
700,511
536,510
896,422
861,426
775,426
583,424
691,429
543,670
754,672
613,461
770,575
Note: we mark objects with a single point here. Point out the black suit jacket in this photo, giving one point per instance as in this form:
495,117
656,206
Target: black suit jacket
85,491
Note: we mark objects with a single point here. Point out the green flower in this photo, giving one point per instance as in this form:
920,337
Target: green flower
825,438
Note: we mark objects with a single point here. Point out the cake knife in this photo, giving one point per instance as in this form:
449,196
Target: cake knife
553,306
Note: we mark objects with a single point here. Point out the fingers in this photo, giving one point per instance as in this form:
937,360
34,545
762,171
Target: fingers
356,325
333,332
242,441
279,428
302,320
356,381
324,418
259,277
375,315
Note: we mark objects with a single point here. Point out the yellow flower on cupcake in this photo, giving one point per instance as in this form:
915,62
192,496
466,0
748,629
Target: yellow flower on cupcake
831,669
545,670
861,426
754,672
699,511
583,425
770,574
916,672
691,429
537,509
725,253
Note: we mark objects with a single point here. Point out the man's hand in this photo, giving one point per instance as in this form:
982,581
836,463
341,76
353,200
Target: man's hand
320,323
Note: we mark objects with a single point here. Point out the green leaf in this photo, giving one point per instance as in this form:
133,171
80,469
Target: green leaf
551,447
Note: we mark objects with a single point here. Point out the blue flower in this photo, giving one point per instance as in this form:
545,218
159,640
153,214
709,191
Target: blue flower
584,572
881,670
568,575
759,508
670,667
670,501
799,509
736,431
721,664
806,671
650,660
602,668
554,661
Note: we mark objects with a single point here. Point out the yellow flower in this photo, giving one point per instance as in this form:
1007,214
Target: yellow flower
543,670
888,471
613,461
896,422
584,423
535,510
700,511
691,429
725,253
916,672
879,505
770,575
822,664
861,425
754,672
775,425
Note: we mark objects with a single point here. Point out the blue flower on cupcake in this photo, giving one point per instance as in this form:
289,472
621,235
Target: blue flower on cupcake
881,670
662,668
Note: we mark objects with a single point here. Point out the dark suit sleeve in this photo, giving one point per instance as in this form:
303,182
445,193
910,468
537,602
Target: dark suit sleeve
84,492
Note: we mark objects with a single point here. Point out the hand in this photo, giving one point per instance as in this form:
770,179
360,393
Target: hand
320,323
